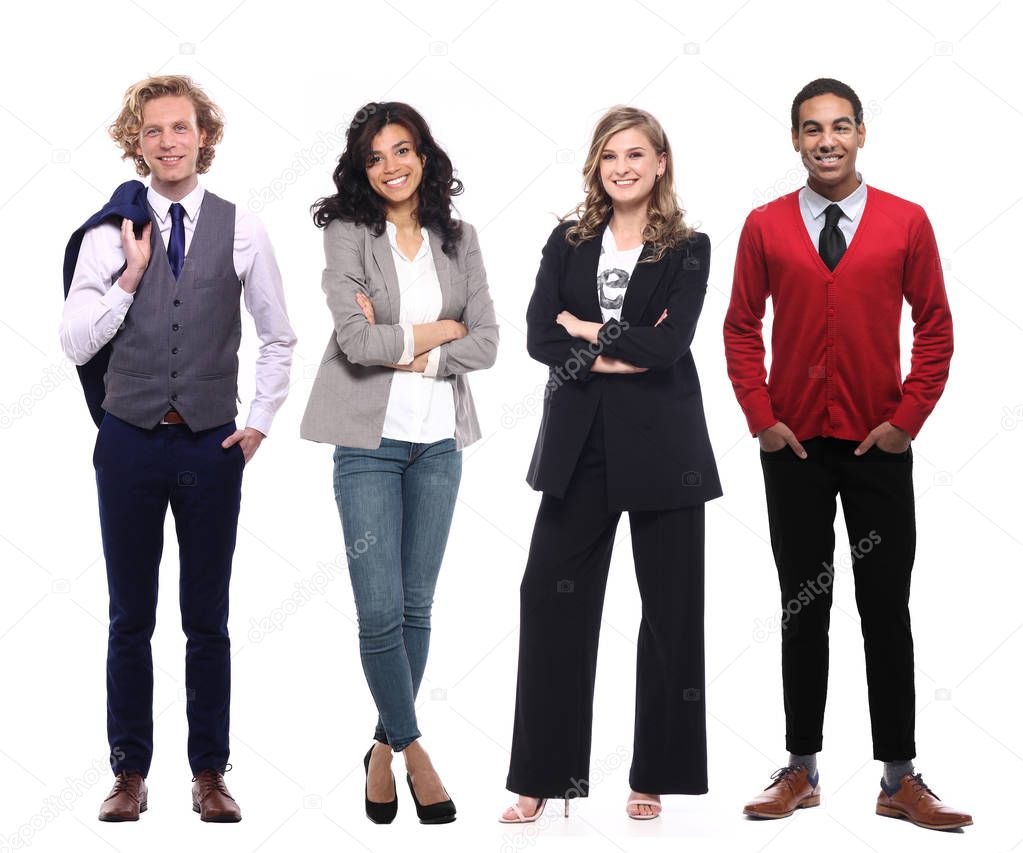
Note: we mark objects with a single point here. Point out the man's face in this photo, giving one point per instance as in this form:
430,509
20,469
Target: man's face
170,140
827,139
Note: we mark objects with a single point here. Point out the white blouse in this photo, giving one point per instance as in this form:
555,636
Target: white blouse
421,406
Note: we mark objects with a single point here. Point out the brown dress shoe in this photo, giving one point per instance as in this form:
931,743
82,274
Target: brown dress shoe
917,803
793,788
212,800
127,799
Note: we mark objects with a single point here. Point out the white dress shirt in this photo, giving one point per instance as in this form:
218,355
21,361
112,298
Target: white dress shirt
95,309
812,205
421,407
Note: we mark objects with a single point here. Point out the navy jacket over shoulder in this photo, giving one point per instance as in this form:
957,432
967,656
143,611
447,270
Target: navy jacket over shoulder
127,202
658,452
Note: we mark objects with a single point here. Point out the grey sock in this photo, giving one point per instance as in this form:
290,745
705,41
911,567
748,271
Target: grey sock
808,761
894,771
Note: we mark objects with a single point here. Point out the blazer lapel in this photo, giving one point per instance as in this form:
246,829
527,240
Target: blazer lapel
587,255
643,282
443,267
385,262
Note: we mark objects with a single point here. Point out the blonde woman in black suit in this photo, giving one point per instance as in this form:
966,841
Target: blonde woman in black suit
613,314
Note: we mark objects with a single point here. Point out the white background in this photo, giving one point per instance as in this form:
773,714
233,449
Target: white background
512,90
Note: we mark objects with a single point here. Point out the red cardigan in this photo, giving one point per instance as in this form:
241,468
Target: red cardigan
835,367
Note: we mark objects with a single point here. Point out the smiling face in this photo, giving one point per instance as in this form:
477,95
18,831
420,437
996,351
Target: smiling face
827,139
393,167
169,142
629,166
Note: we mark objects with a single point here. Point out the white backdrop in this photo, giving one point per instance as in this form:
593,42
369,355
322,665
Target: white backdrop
512,90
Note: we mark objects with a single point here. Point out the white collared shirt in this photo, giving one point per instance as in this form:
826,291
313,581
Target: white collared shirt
95,309
421,407
812,205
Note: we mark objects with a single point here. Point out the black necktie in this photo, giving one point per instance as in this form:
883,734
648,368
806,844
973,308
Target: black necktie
176,244
832,241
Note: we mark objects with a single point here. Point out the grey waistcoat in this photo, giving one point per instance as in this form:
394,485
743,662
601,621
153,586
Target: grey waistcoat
178,345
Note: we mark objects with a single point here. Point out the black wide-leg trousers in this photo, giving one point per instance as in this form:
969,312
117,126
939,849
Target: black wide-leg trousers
877,501
562,596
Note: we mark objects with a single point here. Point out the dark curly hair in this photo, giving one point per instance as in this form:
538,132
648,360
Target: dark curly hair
356,201
826,86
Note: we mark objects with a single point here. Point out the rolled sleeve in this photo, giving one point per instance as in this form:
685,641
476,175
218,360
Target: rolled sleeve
409,351
433,363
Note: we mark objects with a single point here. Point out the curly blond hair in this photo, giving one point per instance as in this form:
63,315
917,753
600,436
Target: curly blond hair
666,227
128,124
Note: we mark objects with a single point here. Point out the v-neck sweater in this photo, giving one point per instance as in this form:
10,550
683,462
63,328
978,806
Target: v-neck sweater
835,353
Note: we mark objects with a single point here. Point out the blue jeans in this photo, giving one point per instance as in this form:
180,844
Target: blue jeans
396,504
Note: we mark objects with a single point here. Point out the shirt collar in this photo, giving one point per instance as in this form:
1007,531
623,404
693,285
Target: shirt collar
852,205
392,238
191,203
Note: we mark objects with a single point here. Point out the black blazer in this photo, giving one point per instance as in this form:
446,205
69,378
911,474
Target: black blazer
658,451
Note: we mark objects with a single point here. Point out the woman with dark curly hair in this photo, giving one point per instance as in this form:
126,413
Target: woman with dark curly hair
412,317
613,314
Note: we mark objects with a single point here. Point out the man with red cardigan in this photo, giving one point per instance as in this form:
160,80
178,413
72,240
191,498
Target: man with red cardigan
835,417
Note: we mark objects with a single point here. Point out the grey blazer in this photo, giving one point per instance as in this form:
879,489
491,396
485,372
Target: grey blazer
349,397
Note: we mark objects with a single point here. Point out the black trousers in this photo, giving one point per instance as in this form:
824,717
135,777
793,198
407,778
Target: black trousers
877,501
562,596
139,473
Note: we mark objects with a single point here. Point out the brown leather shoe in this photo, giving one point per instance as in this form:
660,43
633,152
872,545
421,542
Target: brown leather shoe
793,788
127,799
917,803
212,800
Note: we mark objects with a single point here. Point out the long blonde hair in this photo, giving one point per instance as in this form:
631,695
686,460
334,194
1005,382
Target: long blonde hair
666,227
126,127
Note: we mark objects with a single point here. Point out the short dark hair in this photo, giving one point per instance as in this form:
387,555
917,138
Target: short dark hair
826,86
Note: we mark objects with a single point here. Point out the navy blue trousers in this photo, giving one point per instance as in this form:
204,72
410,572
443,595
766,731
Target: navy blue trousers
139,473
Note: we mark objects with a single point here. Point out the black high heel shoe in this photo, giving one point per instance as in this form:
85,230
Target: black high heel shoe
443,812
380,812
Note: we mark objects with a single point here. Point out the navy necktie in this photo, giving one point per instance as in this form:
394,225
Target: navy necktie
832,241
176,245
